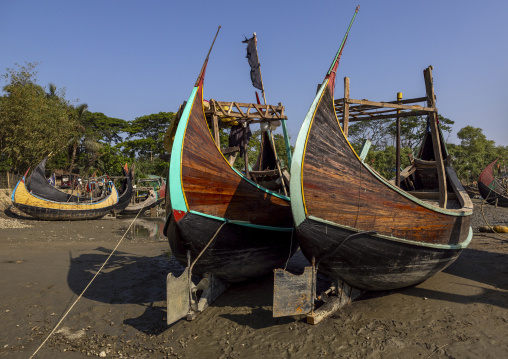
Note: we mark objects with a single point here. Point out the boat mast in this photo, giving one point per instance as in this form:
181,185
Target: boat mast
332,71
270,130
201,76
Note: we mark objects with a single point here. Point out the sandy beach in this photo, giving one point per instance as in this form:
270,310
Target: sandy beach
459,313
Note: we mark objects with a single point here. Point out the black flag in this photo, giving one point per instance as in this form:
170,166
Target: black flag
252,56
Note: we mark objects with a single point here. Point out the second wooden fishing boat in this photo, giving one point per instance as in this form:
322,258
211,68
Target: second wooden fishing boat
357,228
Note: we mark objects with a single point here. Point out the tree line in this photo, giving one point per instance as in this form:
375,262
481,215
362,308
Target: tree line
36,121
469,157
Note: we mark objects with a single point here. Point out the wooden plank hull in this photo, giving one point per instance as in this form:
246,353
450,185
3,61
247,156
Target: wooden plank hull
370,262
205,191
236,254
337,194
491,195
50,214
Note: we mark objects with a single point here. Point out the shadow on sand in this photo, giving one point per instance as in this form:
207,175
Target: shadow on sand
134,279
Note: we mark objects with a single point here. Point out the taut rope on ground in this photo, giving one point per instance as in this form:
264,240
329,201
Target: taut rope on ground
488,224
88,285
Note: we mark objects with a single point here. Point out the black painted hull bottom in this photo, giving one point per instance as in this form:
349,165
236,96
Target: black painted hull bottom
50,214
236,254
490,196
367,262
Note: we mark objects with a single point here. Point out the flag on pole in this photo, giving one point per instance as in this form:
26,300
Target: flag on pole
252,57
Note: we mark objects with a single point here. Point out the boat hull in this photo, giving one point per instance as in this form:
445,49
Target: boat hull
51,214
62,211
491,195
237,253
371,262
335,194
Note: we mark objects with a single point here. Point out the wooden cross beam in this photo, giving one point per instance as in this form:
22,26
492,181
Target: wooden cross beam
246,111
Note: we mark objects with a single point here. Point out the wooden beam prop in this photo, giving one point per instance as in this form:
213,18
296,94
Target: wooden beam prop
436,141
362,110
387,104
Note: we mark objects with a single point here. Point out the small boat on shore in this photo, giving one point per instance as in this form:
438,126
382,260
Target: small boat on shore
43,201
491,189
154,197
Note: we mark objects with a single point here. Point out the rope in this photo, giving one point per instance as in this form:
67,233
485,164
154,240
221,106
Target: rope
88,285
290,246
189,280
207,245
488,225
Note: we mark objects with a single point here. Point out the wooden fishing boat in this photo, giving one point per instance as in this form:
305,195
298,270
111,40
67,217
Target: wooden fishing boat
32,203
38,185
358,227
491,188
227,224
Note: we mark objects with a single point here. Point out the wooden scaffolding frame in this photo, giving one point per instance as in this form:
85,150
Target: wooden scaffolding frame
245,114
352,110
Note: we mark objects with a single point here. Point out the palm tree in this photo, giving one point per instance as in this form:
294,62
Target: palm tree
79,133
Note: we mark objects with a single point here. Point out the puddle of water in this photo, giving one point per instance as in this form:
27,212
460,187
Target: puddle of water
147,228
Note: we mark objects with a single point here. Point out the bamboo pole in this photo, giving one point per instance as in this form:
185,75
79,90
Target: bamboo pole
397,152
436,141
272,142
245,145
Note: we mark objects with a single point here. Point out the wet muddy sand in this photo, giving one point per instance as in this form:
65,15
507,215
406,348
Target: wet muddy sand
459,313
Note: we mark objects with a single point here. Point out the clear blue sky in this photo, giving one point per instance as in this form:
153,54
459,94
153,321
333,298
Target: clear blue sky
133,58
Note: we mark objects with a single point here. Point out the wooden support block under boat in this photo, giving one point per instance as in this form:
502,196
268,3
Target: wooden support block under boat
344,296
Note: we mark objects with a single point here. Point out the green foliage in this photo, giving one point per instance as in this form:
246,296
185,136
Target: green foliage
474,153
382,133
103,128
32,124
146,134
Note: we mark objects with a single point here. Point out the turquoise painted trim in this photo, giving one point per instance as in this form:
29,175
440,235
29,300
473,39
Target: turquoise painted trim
365,149
275,194
243,223
402,240
175,168
286,141
295,184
